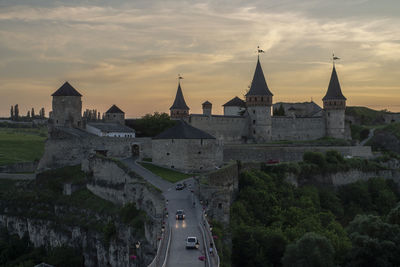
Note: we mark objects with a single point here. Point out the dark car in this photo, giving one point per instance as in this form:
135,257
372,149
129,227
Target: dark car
180,215
179,187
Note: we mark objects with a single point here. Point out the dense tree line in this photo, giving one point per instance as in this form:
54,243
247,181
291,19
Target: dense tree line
274,223
151,125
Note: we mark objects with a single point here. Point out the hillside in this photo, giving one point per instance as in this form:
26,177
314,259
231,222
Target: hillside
274,223
366,116
387,138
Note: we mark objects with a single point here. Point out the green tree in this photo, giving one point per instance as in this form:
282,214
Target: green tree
310,250
152,125
375,243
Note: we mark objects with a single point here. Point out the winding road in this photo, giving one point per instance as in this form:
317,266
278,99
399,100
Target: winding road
178,255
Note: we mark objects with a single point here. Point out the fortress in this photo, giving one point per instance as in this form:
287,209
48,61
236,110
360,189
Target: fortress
251,120
201,142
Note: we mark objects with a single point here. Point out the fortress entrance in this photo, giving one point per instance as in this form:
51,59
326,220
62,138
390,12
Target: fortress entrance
135,151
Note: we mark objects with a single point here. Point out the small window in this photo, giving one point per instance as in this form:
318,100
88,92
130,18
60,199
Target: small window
220,205
167,153
199,152
262,98
114,116
172,166
254,121
254,112
255,99
254,131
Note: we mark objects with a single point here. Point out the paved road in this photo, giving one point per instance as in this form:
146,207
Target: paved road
182,199
17,176
370,135
181,229
155,180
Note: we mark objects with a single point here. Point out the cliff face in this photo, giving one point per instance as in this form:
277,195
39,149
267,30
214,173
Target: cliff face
95,250
103,223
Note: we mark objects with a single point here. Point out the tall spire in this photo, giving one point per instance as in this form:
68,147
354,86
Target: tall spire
259,85
179,102
334,91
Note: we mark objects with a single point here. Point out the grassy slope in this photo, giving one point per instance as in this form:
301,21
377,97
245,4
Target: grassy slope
167,174
19,145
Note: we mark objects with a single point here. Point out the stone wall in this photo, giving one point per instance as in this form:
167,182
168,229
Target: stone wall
263,153
343,178
112,181
217,190
20,167
72,150
188,155
292,128
229,129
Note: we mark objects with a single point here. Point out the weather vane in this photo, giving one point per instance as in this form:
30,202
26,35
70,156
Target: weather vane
334,58
259,51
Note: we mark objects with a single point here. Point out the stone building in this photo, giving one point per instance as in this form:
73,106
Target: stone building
235,107
110,129
114,114
187,149
67,107
251,121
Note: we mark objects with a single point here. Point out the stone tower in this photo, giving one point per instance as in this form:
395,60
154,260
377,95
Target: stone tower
114,114
334,106
207,107
67,107
179,109
259,102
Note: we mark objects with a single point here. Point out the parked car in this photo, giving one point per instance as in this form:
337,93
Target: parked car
179,187
273,161
192,242
180,215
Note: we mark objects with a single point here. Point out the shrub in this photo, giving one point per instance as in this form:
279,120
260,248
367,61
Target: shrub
315,157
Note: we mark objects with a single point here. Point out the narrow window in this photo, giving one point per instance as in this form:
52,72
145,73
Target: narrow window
220,205
167,153
254,112
254,121
199,152
262,98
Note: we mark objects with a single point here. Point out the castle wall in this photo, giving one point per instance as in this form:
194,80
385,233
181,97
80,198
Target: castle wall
188,155
291,128
263,153
229,129
115,117
233,111
60,152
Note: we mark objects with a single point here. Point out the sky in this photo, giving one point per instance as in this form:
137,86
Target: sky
130,53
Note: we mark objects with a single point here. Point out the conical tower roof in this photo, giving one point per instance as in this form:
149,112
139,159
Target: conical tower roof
66,90
334,90
259,85
179,102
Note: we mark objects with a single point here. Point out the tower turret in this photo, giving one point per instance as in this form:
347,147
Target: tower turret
334,106
259,102
207,108
67,107
179,109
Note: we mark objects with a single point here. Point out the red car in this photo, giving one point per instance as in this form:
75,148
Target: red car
273,161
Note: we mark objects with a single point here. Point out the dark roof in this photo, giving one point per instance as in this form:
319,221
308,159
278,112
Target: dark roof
111,127
334,90
184,131
259,85
179,102
66,90
207,103
114,109
235,102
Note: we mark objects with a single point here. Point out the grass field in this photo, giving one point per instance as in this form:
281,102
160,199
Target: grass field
21,144
166,174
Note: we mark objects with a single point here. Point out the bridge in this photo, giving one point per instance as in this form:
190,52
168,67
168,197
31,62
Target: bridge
171,249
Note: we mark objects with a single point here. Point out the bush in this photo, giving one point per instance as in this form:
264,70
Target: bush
316,158
310,250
